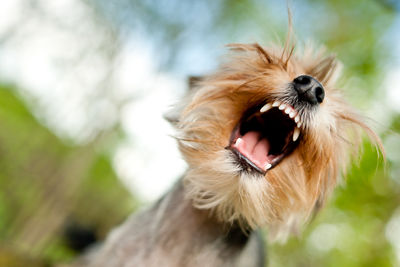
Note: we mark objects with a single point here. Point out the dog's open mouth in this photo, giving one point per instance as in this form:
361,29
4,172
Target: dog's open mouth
265,135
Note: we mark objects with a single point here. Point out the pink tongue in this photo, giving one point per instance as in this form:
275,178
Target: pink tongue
254,148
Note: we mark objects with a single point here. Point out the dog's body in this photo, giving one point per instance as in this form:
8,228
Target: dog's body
265,139
174,233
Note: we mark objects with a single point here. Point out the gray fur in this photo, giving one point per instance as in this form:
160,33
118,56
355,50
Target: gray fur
174,233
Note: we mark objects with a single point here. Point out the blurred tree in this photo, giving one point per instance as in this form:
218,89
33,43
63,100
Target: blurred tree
45,183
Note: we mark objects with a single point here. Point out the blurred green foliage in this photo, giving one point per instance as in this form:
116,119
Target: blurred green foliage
350,230
45,182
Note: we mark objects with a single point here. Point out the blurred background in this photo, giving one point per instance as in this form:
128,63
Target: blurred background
84,84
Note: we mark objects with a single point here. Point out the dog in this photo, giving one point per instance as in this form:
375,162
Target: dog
265,138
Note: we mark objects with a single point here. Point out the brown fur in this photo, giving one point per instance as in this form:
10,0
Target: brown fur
191,225
286,196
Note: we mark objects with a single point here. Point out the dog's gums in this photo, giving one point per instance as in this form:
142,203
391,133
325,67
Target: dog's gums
265,135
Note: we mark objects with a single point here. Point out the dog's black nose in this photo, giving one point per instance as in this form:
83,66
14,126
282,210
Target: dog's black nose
309,89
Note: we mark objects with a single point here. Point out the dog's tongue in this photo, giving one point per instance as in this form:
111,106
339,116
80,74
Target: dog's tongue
254,148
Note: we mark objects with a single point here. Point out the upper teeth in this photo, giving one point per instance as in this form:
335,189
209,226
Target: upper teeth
289,110
296,134
276,103
265,108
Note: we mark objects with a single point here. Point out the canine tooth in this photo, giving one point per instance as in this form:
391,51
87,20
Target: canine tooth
291,114
276,103
282,106
296,134
299,124
266,107
296,120
288,110
268,166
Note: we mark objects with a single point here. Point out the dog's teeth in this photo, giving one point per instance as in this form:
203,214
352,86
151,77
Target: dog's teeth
282,106
265,108
268,166
288,110
276,103
296,120
291,114
299,124
296,134
238,141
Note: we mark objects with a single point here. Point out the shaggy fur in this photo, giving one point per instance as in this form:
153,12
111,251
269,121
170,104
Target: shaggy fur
209,218
285,197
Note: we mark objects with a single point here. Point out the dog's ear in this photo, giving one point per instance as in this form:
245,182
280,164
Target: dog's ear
172,116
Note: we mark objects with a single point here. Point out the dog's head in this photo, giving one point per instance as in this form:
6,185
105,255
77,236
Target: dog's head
266,137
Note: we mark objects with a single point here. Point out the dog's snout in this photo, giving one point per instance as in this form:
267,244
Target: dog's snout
309,89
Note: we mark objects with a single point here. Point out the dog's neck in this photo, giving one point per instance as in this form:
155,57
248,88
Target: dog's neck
180,217
174,233
198,232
